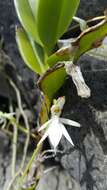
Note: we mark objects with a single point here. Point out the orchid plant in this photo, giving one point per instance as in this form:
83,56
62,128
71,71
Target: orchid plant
43,50
43,23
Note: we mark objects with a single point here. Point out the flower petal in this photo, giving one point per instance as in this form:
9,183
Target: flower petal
44,125
43,137
55,133
69,122
65,133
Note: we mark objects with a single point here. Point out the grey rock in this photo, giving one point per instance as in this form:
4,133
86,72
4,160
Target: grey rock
57,180
89,9
4,159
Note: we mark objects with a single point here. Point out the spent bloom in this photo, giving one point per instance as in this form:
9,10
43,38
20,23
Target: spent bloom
74,71
55,128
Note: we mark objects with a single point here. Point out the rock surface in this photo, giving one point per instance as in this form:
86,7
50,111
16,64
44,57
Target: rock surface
89,9
57,180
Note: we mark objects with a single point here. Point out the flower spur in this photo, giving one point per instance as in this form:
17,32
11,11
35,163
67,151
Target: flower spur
55,128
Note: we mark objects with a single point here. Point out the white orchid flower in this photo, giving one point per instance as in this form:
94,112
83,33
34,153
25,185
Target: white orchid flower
55,128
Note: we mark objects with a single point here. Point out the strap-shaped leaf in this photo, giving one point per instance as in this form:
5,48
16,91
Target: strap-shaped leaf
53,18
40,55
27,52
49,84
90,38
100,52
52,80
26,18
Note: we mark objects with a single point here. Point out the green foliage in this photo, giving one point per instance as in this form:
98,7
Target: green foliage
31,52
52,80
90,38
53,19
44,23
26,18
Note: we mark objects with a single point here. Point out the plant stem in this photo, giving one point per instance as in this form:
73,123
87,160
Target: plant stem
35,153
25,121
14,144
22,129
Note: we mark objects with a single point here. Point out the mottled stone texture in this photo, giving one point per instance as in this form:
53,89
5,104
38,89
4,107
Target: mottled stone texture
57,179
91,8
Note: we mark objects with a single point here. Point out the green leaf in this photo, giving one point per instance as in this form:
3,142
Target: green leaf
52,18
61,55
30,57
40,55
49,83
26,18
90,38
100,52
52,81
